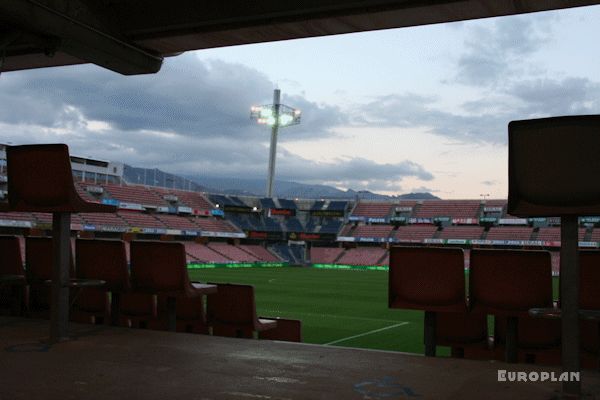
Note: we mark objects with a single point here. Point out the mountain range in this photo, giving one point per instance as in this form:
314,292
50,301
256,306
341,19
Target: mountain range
254,186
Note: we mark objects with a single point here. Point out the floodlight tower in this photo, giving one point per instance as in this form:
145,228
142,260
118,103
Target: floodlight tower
276,115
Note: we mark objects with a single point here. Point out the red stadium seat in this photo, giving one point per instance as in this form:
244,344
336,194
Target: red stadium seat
138,310
12,276
40,180
104,260
538,340
507,283
288,330
160,268
510,282
427,278
191,315
232,312
432,279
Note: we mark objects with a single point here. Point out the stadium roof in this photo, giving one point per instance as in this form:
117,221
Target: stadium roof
133,36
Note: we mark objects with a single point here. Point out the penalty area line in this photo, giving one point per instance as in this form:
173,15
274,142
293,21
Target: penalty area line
366,333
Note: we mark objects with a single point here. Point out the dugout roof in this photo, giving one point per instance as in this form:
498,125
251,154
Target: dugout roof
133,36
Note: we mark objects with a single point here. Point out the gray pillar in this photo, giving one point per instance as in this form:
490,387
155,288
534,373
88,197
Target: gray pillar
61,246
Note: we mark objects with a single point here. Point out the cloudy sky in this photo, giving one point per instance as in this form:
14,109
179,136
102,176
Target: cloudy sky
394,111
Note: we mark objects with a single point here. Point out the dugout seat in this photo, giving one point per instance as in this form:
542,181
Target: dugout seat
12,276
506,284
160,268
190,312
103,260
231,311
138,310
432,279
40,179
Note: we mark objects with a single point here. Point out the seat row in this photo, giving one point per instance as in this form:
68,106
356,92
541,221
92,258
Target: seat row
505,284
154,291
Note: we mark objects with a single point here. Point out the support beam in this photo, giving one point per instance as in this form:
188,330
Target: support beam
79,39
61,252
172,313
569,301
429,329
512,340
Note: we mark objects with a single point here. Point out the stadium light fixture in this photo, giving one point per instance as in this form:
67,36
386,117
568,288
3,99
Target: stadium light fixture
274,115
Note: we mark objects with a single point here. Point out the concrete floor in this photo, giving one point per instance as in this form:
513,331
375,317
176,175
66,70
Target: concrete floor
119,363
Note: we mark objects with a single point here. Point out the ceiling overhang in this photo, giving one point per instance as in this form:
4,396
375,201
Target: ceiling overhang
133,36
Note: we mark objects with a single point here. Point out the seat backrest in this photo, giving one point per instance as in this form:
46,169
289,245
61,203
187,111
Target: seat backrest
158,267
232,304
103,259
11,260
427,278
39,175
589,283
510,282
39,258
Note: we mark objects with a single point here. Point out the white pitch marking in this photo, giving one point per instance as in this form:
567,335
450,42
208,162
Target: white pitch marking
292,313
366,333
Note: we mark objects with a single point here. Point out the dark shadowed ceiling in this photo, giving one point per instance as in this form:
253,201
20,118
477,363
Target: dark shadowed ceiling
133,36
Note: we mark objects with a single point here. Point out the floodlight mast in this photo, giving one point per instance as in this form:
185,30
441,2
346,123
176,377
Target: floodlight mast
276,115
273,147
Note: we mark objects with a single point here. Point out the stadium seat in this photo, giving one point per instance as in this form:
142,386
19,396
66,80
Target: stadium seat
38,260
105,260
40,180
432,279
138,310
465,333
288,330
538,340
160,268
12,276
506,284
232,312
191,315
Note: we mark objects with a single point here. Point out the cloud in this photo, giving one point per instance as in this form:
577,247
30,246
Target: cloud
412,110
217,156
551,97
355,172
189,97
485,119
495,52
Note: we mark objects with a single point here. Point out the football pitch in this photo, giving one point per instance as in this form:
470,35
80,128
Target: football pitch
336,307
